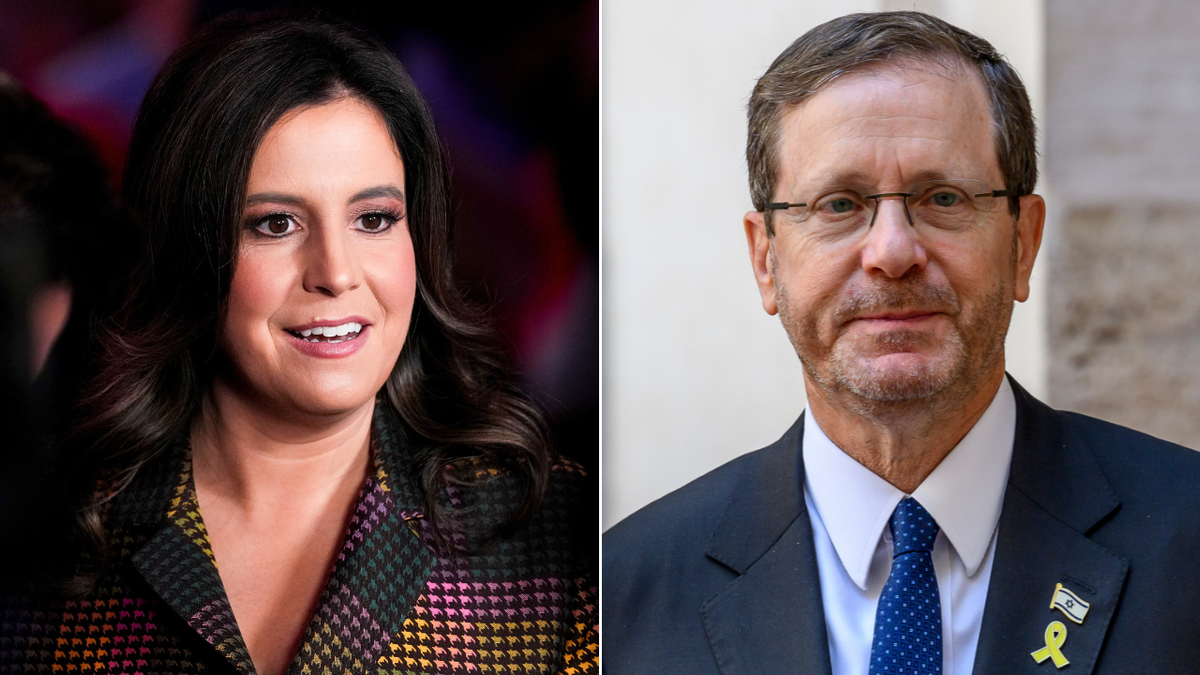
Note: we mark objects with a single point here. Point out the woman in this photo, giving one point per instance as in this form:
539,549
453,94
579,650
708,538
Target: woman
295,395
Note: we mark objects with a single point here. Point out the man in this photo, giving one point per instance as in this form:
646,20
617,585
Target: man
926,515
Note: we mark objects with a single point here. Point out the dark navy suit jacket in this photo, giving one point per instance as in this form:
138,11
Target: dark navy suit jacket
720,576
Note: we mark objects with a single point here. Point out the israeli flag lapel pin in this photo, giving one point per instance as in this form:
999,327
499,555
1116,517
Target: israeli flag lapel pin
1069,604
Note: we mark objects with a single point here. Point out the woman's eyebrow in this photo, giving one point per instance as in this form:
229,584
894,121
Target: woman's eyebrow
274,198
378,191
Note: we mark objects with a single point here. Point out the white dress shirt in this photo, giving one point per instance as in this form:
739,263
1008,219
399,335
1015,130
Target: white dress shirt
850,507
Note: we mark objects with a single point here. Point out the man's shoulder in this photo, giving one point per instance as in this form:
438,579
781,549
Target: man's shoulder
686,515
664,562
685,519
1134,493
1133,461
1102,435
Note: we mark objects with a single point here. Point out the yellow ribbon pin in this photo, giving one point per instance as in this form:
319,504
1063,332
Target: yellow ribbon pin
1056,635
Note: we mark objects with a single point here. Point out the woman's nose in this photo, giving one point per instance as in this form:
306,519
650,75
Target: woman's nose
331,267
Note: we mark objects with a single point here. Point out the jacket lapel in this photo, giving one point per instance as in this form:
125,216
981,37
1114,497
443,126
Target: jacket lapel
770,618
177,561
382,569
1056,495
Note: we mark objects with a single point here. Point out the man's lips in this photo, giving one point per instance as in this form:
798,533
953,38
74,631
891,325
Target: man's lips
919,320
898,316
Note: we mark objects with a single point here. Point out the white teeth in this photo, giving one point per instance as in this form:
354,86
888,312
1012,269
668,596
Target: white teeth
351,328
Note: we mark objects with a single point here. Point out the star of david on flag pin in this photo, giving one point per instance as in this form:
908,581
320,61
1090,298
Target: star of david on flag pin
1068,603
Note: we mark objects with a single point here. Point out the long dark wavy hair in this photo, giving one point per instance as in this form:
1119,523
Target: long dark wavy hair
189,161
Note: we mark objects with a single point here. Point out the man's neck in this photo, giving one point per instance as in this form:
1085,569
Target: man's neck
900,442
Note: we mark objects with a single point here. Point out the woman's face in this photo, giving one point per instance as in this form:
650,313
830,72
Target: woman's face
323,290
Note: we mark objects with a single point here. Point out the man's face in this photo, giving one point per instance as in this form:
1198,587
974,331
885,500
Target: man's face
896,312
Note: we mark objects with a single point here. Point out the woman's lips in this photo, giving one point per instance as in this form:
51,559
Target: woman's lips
328,347
328,323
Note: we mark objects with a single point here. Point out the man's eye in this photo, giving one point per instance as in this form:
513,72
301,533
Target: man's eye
842,205
276,224
945,199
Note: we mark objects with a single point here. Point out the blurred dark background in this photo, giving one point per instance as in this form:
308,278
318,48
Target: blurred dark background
515,93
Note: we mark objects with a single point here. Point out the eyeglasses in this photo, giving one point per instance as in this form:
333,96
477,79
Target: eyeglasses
950,205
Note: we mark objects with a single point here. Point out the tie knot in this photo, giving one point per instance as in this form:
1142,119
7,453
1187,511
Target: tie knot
913,529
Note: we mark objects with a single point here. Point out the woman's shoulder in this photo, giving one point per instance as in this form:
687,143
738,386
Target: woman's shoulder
478,484
484,497
486,485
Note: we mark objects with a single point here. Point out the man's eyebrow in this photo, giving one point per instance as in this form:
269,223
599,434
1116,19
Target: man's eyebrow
855,177
274,198
950,172
846,177
379,191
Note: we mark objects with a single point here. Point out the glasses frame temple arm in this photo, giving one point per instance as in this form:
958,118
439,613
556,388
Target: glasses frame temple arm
781,206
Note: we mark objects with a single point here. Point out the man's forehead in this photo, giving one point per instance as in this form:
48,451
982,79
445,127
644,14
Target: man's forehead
911,120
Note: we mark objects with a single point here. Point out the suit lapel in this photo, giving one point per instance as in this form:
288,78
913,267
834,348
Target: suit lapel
770,618
1056,495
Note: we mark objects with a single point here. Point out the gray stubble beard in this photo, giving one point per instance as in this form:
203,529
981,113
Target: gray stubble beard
933,388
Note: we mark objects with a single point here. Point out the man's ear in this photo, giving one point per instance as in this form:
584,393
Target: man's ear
759,243
1029,239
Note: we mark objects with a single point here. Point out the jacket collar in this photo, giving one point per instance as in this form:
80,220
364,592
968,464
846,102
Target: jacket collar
769,497
1054,467
381,570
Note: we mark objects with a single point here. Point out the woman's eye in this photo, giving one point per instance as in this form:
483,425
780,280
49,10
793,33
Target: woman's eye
376,222
373,221
276,225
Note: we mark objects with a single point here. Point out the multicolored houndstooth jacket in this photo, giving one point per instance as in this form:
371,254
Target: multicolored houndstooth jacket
525,604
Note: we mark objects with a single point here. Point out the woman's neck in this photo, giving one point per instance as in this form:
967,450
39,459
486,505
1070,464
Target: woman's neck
275,494
245,454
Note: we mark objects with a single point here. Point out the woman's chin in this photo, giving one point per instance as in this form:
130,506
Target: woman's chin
333,404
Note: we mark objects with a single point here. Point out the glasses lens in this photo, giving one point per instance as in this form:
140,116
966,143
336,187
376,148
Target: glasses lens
838,212
949,205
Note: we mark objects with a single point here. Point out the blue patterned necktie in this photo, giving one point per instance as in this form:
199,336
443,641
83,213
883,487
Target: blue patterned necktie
908,622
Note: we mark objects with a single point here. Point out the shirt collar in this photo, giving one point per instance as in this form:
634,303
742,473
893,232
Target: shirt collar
963,494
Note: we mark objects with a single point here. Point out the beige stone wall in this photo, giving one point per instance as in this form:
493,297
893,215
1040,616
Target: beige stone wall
1125,317
1122,167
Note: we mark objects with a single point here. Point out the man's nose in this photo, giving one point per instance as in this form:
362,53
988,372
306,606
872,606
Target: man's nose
892,245
331,267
